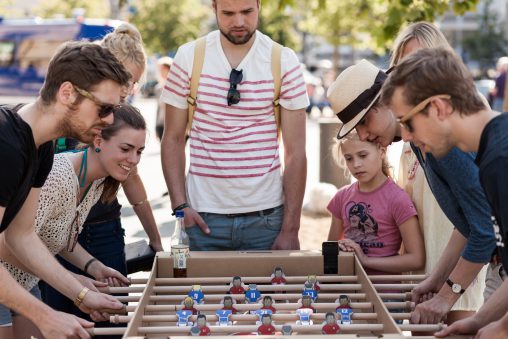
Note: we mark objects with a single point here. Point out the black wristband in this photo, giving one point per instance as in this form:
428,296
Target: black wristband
180,207
88,263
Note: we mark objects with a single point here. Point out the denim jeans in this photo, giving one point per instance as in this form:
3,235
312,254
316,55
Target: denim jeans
236,233
104,241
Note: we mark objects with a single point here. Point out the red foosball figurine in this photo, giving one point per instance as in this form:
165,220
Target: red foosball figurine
188,305
266,328
237,287
268,304
313,280
330,325
201,324
278,277
227,303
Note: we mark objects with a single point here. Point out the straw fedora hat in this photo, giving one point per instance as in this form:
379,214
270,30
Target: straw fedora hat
354,92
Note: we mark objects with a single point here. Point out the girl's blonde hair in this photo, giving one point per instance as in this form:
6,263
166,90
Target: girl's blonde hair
339,159
126,44
427,35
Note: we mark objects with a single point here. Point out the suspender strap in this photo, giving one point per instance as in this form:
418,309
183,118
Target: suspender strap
197,67
276,73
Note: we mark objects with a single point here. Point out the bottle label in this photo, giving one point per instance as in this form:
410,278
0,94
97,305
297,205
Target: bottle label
180,253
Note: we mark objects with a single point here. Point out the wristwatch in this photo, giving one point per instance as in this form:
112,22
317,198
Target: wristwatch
456,288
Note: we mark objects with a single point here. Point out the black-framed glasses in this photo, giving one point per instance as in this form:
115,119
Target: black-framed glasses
235,77
72,239
105,108
405,121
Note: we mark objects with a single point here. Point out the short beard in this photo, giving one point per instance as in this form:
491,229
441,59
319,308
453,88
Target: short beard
70,128
235,40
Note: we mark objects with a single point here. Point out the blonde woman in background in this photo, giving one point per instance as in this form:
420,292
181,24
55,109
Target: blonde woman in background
102,235
436,227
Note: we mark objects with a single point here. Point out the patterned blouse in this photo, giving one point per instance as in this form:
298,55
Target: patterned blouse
57,211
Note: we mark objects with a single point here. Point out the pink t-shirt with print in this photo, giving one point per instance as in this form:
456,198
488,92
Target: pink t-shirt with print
372,219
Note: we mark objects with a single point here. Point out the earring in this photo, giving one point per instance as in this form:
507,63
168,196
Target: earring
97,150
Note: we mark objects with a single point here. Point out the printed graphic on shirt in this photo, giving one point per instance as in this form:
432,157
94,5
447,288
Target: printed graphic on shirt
363,226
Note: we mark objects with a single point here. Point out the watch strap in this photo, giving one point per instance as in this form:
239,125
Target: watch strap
451,283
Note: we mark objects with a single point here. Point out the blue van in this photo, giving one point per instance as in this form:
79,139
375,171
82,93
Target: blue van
27,45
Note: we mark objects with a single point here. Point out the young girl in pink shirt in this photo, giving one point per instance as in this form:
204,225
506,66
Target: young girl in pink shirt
373,216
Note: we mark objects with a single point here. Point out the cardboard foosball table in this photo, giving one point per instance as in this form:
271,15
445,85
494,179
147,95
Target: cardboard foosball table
377,302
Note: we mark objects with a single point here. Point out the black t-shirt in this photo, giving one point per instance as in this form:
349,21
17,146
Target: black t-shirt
492,159
23,165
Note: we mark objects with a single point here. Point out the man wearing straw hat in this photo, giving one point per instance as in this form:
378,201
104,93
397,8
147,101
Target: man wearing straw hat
434,98
453,179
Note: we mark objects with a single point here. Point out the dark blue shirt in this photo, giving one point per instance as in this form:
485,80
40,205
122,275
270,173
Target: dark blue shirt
454,181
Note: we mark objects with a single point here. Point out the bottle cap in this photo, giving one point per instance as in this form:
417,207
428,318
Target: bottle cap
179,214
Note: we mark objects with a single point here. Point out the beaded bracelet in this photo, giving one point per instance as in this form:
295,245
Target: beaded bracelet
180,207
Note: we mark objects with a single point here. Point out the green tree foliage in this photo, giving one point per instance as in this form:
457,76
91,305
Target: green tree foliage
279,24
167,24
488,43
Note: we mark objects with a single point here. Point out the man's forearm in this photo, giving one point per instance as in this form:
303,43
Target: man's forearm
463,273
15,297
173,167
495,307
294,179
30,250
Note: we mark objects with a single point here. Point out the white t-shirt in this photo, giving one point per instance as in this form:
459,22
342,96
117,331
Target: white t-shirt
234,150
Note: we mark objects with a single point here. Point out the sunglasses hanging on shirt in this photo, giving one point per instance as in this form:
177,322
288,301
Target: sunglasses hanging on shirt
235,77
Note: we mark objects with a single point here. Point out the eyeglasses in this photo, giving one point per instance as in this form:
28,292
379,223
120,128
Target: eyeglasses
235,77
105,109
72,239
405,120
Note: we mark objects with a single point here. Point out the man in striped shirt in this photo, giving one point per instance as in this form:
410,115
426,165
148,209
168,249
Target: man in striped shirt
237,194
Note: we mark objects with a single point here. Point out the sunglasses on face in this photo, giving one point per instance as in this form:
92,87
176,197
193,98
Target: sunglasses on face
405,121
104,110
235,77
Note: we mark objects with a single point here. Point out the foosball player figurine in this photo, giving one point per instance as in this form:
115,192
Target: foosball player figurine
223,316
278,277
308,289
286,330
183,318
196,294
315,284
344,309
330,325
266,327
252,295
268,304
227,303
307,303
237,287
204,330
188,305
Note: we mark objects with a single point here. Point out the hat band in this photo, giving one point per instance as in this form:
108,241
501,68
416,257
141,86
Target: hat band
363,100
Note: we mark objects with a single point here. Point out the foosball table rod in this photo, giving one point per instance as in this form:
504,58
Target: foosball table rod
225,288
267,280
290,306
122,319
239,297
170,330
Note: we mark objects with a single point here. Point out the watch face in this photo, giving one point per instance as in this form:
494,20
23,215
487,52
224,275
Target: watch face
456,288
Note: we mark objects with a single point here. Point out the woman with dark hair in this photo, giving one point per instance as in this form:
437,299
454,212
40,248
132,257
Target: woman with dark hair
76,182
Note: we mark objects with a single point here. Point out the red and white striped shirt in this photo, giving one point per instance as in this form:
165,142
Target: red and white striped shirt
234,151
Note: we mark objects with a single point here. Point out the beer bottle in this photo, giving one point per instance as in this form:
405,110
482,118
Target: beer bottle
179,247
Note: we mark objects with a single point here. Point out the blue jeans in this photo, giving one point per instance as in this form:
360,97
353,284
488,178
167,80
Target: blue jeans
104,241
236,233
6,314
